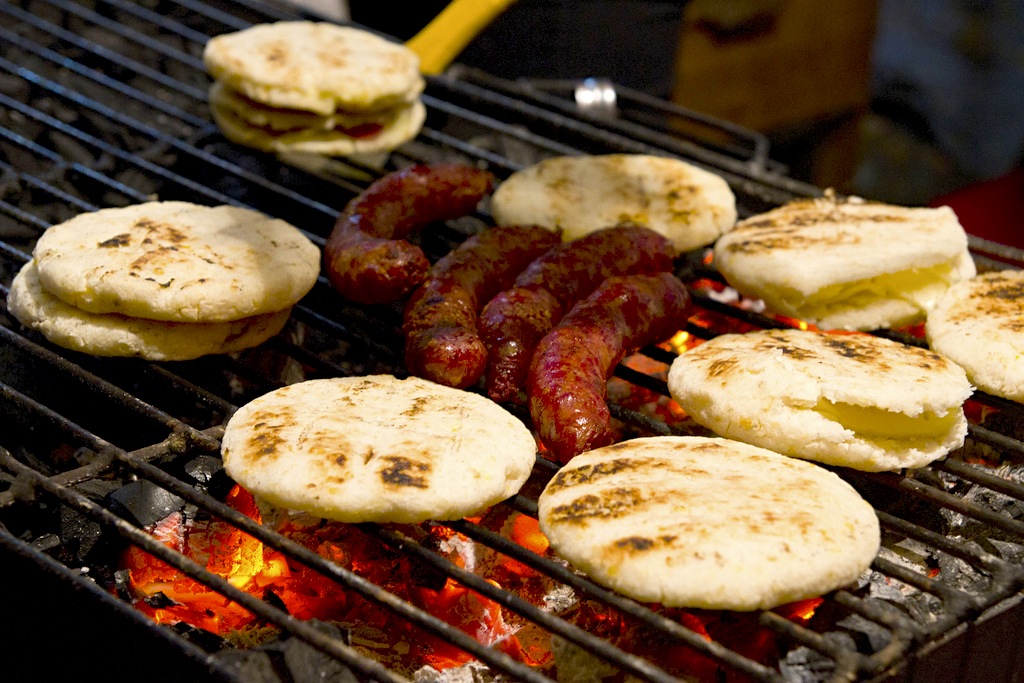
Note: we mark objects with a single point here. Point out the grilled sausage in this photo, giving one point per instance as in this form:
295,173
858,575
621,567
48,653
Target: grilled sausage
367,258
440,319
568,376
515,320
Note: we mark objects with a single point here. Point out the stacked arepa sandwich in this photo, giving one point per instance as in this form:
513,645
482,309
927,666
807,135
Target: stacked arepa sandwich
315,87
164,280
846,262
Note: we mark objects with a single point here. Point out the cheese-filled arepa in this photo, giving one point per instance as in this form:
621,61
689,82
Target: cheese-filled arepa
846,263
707,523
854,400
979,324
377,449
581,194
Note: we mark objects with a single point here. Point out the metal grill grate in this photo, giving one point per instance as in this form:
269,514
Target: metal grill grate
104,104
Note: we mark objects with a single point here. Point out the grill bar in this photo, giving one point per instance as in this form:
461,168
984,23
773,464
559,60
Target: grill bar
64,150
353,581
143,540
627,606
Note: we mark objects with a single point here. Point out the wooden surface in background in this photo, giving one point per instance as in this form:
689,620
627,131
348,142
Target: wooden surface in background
783,67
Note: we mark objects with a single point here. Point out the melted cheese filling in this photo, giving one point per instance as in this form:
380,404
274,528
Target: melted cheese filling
919,286
873,423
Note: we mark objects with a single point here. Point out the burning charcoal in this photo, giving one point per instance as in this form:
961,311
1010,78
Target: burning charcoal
289,659
576,665
470,672
209,471
46,542
123,584
988,499
861,635
922,607
275,600
210,642
159,601
144,503
204,468
425,575
960,574
251,666
78,533
804,665
1011,552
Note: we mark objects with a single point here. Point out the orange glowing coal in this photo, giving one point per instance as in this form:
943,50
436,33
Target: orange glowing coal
168,596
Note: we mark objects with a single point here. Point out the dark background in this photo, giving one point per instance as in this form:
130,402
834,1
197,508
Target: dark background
914,102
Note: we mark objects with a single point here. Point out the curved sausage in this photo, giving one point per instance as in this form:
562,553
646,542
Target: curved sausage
442,343
515,320
367,258
567,382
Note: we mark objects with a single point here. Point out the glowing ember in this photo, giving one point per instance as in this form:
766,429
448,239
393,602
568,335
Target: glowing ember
168,596
740,632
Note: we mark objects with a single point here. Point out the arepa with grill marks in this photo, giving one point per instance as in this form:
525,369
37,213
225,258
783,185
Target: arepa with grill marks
378,449
580,194
846,263
848,399
177,261
979,324
707,523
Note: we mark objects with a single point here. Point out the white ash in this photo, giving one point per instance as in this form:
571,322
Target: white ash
960,574
470,672
923,608
804,665
560,599
725,296
575,665
985,497
913,552
1011,552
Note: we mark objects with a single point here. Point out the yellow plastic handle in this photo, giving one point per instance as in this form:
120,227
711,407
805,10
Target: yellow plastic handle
441,41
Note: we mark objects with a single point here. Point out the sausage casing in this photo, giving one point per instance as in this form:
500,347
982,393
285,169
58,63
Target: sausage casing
440,318
367,258
515,320
567,383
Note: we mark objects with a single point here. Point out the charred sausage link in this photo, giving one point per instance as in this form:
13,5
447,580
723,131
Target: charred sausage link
442,343
568,377
515,320
367,257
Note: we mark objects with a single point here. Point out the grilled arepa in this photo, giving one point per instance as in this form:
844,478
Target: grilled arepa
110,334
855,400
707,523
979,324
377,449
315,87
581,194
178,262
846,263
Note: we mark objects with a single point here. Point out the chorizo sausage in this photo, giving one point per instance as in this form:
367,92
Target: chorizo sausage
442,342
515,320
367,258
567,382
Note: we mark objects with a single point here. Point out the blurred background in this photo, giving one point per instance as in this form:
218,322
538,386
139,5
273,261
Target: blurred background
915,102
